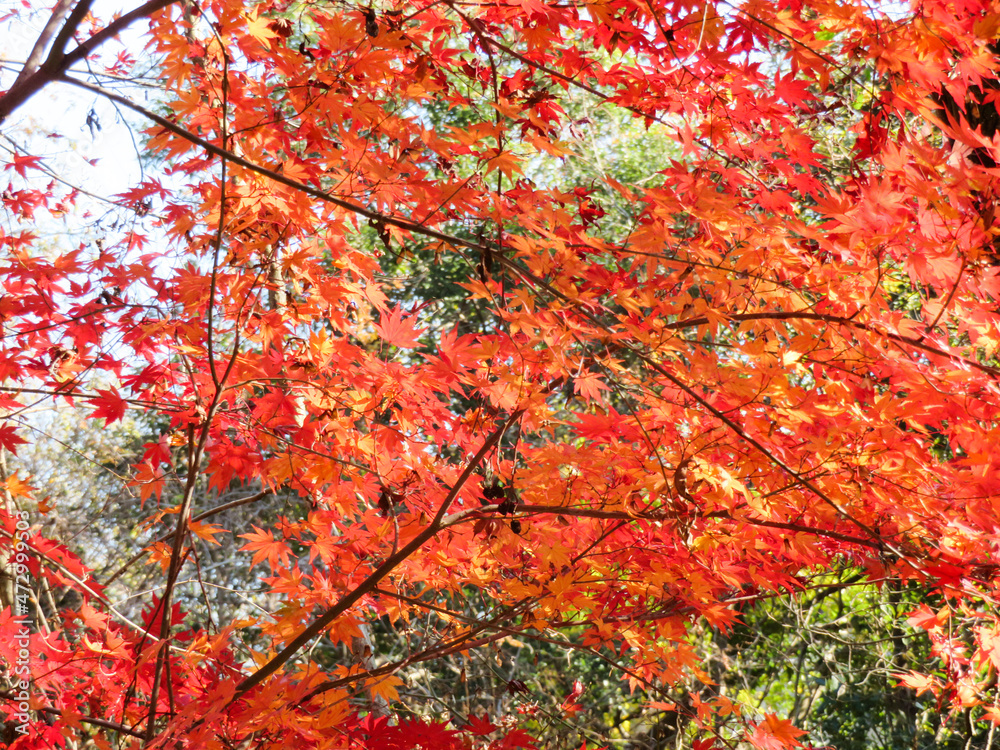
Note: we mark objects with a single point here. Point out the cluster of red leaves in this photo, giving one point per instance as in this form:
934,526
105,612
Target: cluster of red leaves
708,403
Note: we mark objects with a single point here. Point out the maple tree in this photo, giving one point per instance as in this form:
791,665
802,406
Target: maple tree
504,394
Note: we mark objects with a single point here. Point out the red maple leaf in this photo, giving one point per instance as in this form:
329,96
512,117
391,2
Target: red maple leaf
517,738
9,438
989,639
480,726
21,163
110,406
570,705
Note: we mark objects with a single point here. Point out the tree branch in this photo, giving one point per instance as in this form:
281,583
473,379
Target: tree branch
42,43
281,179
372,581
201,516
57,63
839,320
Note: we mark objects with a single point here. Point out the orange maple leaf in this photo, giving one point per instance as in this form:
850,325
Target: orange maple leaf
16,486
589,385
206,531
989,640
394,330
265,547
774,733
922,683
260,28
385,687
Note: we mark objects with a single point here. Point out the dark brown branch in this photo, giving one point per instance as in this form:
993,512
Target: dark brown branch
195,451
464,642
103,723
85,719
56,55
839,320
201,516
113,29
664,515
42,43
321,195
57,63
390,564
